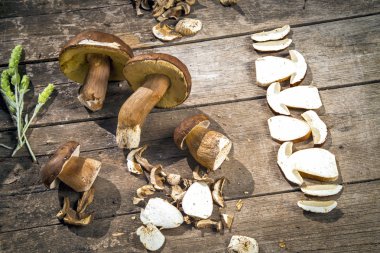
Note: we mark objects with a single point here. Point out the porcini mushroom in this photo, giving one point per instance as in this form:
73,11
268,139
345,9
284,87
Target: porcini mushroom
209,148
158,80
77,172
93,58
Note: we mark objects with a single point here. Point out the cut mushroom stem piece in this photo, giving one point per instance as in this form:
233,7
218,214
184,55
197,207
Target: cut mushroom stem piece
317,206
285,128
243,244
209,148
93,58
318,127
272,46
158,80
321,190
275,34
151,237
305,97
202,224
217,194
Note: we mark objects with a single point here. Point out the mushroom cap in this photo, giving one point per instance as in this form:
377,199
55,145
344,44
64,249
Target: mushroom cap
141,66
72,58
185,127
54,166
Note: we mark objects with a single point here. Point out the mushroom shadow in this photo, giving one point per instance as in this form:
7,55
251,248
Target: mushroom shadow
106,203
330,217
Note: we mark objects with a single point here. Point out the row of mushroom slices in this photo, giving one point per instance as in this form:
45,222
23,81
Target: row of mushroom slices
315,163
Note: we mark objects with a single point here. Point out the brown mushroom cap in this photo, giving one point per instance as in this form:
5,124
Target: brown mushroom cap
54,166
72,58
183,129
141,66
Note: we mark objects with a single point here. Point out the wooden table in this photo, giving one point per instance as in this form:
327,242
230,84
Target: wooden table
340,41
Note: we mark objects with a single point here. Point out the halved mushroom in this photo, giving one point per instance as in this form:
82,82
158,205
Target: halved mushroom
158,80
161,213
242,244
93,58
85,200
151,237
197,201
133,166
321,190
285,128
318,127
314,163
165,33
271,69
209,148
202,224
227,220
145,191
305,97
317,206
77,172
272,46
228,2
275,34
188,26
217,192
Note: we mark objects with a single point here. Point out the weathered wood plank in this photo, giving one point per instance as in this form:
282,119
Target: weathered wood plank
252,170
352,227
230,65
217,21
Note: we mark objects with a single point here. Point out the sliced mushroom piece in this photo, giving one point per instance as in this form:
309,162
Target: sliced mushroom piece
318,127
242,244
321,190
177,193
173,179
202,224
203,178
227,220
271,69
137,201
145,190
317,206
86,199
185,7
142,161
217,192
239,205
158,9
159,80
209,148
285,128
172,13
313,163
188,26
73,220
275,34
66,205
305,97
190,2
151,237
228,2
283,154
156,178
164,32
300,65
133,166
93,58
272,46
197,201
161,213
187,219
186,183
168,4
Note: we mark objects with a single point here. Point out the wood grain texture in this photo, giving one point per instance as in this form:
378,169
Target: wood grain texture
218,21
252,169
338,53
271,220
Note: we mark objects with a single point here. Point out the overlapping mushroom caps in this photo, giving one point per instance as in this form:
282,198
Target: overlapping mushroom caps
209,148
77,172
158,80
93,58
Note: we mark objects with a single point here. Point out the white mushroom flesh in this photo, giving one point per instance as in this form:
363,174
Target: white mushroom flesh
321,190
285,128
133,166
98,43
317,206
151,237
242,244
165,33
272,46
197,201
270,69
318,127
275,34
301,67
273,99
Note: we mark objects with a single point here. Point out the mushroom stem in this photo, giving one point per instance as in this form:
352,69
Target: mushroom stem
209,148
134,111
94,89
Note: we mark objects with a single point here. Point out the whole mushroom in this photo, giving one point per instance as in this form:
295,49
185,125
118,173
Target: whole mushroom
93,58
209,148
159,80
65,165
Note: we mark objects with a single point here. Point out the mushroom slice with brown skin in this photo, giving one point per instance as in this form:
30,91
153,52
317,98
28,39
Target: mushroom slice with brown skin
242,244
158,80
318,127
239,205
202,224
164,32
197,201
285,128
66,205
161,213
272,46
209,148
134,167
156,178
74,220
227,220
93,58
275,34
305,97
217,192
228,2
85,200
188,26
142,161
145,191
151,237
321,190
190,2
317,206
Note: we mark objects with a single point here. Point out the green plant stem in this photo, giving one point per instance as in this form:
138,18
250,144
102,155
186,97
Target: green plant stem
5,146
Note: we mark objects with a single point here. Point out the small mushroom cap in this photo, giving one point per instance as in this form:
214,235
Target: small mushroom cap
141,66
185,127
54,166
73,61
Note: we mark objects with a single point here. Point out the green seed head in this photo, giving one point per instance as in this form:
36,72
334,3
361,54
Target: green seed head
45,94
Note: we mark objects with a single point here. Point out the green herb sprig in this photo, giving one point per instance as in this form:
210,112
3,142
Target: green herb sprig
13,88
